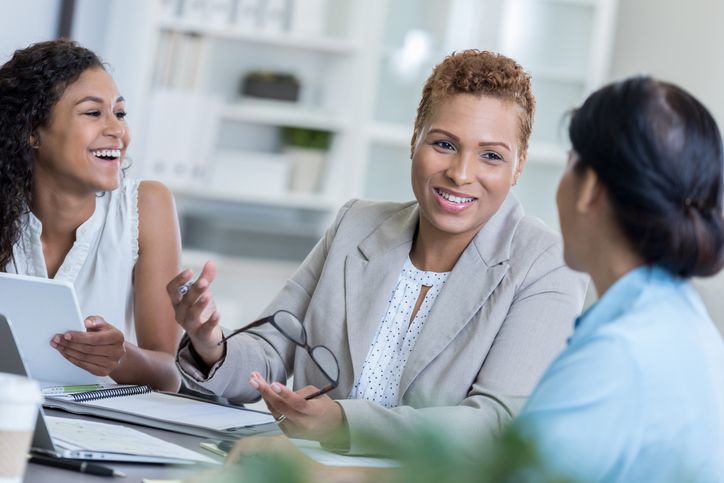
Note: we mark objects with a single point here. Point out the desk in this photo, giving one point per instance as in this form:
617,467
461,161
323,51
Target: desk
135,472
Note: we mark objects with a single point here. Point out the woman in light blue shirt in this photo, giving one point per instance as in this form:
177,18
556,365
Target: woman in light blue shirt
638,394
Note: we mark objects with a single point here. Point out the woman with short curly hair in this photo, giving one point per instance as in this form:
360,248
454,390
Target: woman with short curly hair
448,307
67,212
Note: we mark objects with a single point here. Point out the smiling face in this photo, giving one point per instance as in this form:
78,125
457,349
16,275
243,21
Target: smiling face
465,160
85,140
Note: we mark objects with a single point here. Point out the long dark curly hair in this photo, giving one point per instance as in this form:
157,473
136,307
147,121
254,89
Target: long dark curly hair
31,82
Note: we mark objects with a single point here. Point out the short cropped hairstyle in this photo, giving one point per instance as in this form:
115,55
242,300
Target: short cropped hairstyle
658,152
31,83
479,73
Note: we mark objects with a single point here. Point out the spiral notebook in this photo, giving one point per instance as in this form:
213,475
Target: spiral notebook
82,395
174,412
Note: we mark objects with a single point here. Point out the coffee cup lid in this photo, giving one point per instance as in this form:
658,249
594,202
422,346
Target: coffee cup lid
16,389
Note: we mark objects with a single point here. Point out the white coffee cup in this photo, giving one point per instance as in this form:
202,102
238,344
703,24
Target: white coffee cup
19,401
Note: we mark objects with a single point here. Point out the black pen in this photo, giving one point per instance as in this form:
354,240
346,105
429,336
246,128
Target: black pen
74,465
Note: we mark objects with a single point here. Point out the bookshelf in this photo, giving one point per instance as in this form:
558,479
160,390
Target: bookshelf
360,71
279,113
291,41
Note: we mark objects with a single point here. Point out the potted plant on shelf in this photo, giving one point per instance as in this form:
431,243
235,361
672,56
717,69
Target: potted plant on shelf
307,150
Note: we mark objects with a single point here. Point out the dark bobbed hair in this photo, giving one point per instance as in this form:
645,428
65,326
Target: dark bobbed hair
658,152
31,82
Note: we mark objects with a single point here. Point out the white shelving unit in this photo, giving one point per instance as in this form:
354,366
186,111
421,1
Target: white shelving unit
280,113
361,77
291,41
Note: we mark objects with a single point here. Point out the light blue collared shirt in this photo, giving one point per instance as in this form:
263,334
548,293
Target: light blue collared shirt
638,394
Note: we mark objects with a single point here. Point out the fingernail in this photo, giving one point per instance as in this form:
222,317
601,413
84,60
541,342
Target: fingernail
53,344
66,336
254,384
56,339
277,388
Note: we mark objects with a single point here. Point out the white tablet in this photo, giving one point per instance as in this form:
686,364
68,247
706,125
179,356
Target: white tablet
39,308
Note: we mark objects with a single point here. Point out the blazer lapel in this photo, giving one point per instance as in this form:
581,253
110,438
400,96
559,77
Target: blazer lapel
370,277
476,274
466,290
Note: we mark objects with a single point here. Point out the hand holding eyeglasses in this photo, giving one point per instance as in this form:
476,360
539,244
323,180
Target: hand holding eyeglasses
299,417
196,312
307,413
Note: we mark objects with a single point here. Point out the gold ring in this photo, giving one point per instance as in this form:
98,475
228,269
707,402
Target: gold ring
280,419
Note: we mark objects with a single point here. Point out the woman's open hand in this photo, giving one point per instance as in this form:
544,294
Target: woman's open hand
196,312
99,350
320,419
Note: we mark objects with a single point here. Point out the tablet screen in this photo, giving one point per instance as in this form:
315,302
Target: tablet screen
37,309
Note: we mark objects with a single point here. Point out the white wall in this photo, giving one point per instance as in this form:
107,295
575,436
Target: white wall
678,41
23,23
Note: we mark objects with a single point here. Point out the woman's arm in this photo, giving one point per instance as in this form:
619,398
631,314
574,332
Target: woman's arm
266,350
152,361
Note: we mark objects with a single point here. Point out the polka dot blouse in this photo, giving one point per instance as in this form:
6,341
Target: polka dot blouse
395,338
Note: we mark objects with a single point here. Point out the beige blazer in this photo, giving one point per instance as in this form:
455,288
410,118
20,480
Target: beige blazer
505,311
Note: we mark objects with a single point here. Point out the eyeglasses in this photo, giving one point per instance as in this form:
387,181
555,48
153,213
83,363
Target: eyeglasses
291,328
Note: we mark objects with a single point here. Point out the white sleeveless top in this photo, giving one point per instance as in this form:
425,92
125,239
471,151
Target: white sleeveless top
100,263
379,379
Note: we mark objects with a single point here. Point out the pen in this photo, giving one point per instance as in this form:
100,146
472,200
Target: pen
221,448
184,289
75,465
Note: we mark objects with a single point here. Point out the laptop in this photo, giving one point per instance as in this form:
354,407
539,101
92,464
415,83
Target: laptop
39,309
78,438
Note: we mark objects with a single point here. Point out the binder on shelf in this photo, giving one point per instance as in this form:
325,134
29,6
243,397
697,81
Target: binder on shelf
264,174
182,129
308,17
248,13
195,11
179,55
220,12
274,16
170,411
170,9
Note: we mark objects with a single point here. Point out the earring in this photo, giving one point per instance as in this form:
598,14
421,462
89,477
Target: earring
515,178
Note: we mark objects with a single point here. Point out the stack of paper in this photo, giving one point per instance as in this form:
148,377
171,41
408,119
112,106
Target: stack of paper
115,439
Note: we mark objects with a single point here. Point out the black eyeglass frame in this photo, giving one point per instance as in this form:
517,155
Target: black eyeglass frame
333,382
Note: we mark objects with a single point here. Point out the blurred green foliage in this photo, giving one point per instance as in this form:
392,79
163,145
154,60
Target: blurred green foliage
306,138
429,455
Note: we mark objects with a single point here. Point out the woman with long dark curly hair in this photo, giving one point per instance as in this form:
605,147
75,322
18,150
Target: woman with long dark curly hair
67,212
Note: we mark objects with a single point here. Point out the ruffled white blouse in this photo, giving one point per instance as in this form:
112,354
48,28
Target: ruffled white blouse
395,338
100,263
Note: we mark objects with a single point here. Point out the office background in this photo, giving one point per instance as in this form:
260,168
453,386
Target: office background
257,179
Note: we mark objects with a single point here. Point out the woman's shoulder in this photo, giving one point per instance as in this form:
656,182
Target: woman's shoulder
533,233
375,211
358,219
152,191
